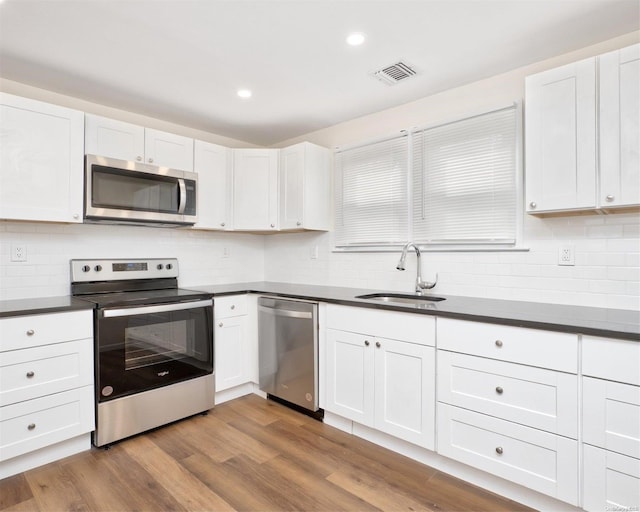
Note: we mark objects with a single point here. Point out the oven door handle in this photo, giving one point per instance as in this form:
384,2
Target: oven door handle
160,308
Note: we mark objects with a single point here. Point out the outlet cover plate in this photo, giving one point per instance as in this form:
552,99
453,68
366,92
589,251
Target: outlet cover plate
566,255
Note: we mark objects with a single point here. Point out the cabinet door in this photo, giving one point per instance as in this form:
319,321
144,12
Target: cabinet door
114,139
611,481
619,74
168,150
212,163
255,189
231,357
349,376
41,161
405,391
292,162
561,138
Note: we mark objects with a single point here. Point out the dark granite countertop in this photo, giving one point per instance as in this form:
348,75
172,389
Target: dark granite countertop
613,323
20,307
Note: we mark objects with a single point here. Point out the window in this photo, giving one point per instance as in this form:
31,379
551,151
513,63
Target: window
371,196
452,186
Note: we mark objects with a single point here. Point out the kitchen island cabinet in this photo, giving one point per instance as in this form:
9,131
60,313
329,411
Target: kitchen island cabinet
42,161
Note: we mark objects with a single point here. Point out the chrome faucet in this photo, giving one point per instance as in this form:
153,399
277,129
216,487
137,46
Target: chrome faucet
420,284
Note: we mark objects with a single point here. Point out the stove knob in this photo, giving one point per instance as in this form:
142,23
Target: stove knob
86,268
160,266
169,266
98,268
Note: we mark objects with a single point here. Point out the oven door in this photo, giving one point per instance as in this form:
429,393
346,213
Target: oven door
146,347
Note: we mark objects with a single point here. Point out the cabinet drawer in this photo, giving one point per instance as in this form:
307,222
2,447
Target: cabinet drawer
28,426
545,349
611,416
534,397
411,327
39,371
611,481
35,330
541,461
610,359
230,305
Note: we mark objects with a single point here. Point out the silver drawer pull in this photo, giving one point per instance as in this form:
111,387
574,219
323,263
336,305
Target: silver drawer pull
499,390
366,343
499,450
498,343
30,332
31,426
30,375
233,306
220,324
378,344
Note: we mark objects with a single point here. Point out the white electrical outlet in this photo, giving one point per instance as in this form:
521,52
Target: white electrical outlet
313,254
225,252
18,252
566,255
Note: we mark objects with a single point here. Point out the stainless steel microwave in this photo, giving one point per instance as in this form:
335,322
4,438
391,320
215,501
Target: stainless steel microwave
121,192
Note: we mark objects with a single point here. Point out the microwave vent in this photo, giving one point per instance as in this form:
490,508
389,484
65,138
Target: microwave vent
394,73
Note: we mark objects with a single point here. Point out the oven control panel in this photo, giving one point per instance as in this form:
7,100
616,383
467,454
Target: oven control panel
121,269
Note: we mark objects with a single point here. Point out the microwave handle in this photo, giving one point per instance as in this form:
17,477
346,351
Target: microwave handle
183,196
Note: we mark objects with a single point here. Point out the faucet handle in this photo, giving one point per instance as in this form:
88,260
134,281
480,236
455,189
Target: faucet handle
425,285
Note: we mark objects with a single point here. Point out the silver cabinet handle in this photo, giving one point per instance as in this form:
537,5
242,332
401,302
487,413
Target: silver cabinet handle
499,450
609,198
273,225
233,306
220,324
298,223
139,158
31,426
76,216
30,375
498,343
150,160
30,332
366,343
378,344
499,390
533,205
222,224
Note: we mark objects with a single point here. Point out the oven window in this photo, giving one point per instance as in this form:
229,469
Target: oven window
154,343
118,189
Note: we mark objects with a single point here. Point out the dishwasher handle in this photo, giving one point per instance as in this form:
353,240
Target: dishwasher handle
285,312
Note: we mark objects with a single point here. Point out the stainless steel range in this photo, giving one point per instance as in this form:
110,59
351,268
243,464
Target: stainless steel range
153,344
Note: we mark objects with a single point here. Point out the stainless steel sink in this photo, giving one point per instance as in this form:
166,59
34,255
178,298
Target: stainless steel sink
401,298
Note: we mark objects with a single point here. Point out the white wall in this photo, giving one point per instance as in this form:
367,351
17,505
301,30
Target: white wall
51,246
607,270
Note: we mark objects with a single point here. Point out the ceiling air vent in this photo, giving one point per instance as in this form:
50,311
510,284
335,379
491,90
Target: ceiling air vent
395,73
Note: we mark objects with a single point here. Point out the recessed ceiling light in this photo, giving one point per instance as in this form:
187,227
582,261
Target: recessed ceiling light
355,39
244,93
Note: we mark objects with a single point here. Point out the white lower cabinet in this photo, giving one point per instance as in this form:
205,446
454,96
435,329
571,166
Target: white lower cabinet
541,461
46,388
234,352
384,383
611,480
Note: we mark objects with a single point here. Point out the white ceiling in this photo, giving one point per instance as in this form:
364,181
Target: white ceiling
183,60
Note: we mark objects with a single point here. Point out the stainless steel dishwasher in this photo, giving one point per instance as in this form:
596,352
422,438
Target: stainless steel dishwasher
288,350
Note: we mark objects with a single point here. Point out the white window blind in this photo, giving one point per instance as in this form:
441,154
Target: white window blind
464,181
371,194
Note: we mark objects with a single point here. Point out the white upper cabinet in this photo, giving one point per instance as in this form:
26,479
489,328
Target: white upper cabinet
255,189
126,141
41,161
619,75
213,165
583,135
561,138
305,187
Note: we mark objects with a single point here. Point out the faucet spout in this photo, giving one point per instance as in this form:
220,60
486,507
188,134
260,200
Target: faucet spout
421,285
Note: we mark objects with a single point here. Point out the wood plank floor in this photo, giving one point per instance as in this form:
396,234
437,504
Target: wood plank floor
249,454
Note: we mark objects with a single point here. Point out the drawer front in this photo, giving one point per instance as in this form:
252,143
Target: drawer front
39,371
411,327
611,481
617,360
35,330
538,398
31,425
545,349
541,461
230,305
611,416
